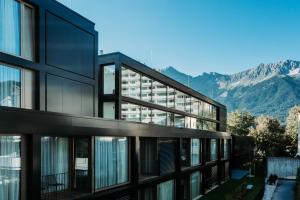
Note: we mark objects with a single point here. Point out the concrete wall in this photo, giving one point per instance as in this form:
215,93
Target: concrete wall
283,167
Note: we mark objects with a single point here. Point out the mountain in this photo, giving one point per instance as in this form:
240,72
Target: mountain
270,89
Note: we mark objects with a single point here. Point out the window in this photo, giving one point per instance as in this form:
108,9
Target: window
170,119
199,124
195,187
159,93
81,164
193,123
159,117
131,83
111,161
185,152
187,107
166,156
213,149
179,100
10,167
179,121
187,122
165,190
226,149
131,112
195,152
171,97
16,87
146,89
54,164
146,115
194,106
149,157
17,28
109,79
109,110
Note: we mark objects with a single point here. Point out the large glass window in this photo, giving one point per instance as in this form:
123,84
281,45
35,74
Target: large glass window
16,87
166,156
179,100
146,93
193,123
195,185
159,117
148,157
10,167
109,110
131,83
109,79
213,149
54,164
195,152
111,161
194,106
165,190
179,121
170,119
171,97
131,112
82,164
17,28
185,155
226,149
187,122
187,107
146,115
159,93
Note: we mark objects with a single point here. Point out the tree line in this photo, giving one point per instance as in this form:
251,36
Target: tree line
272,138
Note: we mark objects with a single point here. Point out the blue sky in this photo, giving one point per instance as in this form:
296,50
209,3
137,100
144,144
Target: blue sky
195,36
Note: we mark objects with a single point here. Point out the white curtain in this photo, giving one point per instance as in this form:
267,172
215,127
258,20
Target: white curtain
10,166
195,185
54,163
165,190
28,36
111,161
195,152
10,86
10,27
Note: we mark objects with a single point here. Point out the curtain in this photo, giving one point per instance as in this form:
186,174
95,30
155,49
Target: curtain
10,27
10,86
195,185
10,166
27,37
195,152
213,149
111,161
148,157
54,163
165,190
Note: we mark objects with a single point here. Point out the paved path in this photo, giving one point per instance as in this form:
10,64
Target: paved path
284,190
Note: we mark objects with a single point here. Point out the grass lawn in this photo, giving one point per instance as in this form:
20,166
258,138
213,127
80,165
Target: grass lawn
227,189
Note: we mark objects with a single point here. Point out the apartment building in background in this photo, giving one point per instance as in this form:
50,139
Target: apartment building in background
75,125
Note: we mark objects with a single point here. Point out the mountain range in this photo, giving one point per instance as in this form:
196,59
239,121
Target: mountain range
269,89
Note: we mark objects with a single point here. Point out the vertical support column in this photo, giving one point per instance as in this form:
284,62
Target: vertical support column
178,187
203,164
118,89
219,161
33,167
134,161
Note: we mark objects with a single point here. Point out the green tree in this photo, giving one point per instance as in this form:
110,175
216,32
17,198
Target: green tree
240,122
292,127
270,137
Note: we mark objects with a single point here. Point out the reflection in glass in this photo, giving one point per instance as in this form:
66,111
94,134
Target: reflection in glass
187,107
146,89
10,86
159,117
179,100
187,122
111,161
109,75
193,123
10,167
213,149
145,115
195,152
170,119
226,149
130,112
159,93
109,110
179,121
165,190
194,106
28,33
171,97
195,185
148,157
131,83
185,155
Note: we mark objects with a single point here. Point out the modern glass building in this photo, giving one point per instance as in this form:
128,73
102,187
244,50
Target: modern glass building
75,125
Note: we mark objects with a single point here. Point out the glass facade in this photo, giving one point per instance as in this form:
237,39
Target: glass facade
131,112
111,161
226,147
159,117
165,190
195,152
142,87
109,79
195,185
148,157
17,28
12,82
109,110
10,167
54,164
213,149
